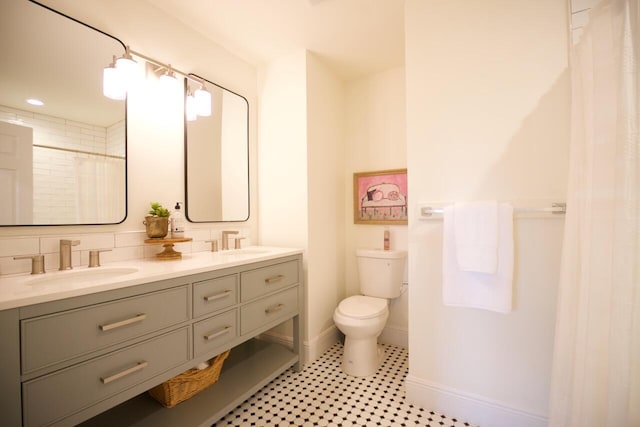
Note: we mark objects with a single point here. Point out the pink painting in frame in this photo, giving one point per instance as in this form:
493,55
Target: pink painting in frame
380,197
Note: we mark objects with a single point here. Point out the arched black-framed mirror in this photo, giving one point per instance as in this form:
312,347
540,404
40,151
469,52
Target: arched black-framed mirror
64,162
217,158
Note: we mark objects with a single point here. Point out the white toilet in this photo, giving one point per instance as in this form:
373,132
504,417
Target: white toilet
361,318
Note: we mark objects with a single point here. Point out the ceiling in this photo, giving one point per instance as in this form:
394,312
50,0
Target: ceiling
353,37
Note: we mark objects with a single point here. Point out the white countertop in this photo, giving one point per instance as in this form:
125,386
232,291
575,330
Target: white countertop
26,289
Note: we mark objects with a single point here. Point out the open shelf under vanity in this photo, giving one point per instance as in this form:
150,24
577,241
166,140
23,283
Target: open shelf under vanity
250,367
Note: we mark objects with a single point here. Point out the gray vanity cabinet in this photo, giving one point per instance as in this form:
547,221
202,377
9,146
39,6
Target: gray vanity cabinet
55,396
50,339
90,359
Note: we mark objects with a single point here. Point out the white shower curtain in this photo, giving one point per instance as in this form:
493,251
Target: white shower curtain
596,365
100,187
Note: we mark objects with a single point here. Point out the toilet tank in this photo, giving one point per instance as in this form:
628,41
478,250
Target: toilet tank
381,272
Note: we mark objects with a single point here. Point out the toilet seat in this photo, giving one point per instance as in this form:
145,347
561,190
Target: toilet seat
362,307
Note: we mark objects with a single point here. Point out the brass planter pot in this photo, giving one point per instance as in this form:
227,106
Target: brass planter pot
157,227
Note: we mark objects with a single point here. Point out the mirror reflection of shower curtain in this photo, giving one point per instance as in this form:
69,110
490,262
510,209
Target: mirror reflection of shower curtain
100,190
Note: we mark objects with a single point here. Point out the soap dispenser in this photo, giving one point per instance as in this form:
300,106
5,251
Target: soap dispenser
177,222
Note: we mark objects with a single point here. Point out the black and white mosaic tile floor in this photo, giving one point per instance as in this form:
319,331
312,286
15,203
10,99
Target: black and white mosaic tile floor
322,395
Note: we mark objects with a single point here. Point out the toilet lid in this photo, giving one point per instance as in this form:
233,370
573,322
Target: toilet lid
362,307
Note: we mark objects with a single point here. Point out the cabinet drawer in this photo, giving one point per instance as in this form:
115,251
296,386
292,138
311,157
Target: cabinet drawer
214,294
267,279
55,338
58,395
211,333
268,310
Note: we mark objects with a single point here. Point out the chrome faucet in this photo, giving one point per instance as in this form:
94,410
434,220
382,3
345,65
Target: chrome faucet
65,253
225,239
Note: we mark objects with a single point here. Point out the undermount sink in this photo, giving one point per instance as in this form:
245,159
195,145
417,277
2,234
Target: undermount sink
82,277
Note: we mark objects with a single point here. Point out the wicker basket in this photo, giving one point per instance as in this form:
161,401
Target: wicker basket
189,383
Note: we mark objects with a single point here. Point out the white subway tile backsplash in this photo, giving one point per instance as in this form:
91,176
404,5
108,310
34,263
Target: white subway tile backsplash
201,246
198,235
150,251
124,254
185,247
125,246
10,266
97,241
130,238
51,262
13,246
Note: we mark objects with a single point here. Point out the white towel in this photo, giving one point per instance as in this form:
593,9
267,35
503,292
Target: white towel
479,290
476,233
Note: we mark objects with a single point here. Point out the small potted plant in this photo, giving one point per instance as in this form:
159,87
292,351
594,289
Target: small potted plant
157,222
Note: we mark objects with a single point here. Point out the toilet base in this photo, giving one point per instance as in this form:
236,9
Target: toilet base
361,357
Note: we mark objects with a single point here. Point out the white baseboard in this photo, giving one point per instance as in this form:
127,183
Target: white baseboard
313,349
468,407
394,336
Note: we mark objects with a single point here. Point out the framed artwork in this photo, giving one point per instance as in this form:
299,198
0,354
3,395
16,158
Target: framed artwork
380,197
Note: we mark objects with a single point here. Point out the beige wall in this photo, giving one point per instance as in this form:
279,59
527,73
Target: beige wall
326,258
301,175
375,140
487,118
282,152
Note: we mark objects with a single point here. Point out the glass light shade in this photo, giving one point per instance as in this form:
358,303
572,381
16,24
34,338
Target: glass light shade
191,108
203,102
112,84
168,83
128,70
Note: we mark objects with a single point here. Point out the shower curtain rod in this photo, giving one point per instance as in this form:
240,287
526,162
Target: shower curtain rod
69,150
556,208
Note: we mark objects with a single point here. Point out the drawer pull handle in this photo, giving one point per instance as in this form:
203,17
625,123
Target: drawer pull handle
273,279
138,367
114,325
217,296
275,308
224,330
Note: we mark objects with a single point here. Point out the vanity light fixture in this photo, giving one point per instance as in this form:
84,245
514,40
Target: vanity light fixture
119,78
112,85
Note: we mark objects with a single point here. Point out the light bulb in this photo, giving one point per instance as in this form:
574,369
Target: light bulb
128,71
112,84
203,102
